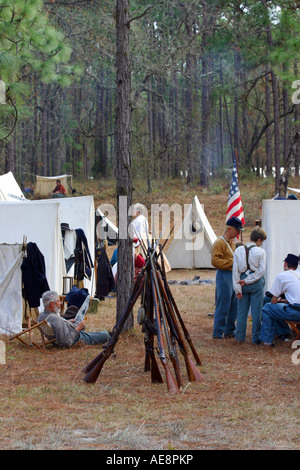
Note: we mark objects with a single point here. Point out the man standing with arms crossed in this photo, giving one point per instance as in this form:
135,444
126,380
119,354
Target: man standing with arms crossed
222,259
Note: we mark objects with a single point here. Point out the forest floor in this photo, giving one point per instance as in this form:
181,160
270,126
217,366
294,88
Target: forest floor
248,399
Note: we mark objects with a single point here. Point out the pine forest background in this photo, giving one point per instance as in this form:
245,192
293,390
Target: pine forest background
210,80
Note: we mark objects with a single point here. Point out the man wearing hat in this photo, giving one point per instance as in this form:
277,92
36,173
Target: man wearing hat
275,313
222,259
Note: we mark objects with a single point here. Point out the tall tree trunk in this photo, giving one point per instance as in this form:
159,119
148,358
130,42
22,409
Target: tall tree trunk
236,131
286,127
209,20
123,158
275,92
9,156
44,166
149,163
268,130
296,119
189,105
206,118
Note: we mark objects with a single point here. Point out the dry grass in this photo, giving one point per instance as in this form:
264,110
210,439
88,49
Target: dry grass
249,398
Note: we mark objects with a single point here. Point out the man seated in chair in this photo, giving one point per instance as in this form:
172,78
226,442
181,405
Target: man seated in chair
65,332
275,313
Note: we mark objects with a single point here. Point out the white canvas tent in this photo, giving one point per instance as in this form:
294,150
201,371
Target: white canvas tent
191,247
40,223
281,221
11,258
9,188
45,184
78,212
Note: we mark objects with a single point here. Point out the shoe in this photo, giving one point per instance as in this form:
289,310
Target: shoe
229,336
218,337
270,345
257,342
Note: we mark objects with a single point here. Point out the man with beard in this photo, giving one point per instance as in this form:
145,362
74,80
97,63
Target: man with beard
66,332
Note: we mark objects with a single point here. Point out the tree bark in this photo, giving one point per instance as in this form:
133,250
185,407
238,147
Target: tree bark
123,158
276,110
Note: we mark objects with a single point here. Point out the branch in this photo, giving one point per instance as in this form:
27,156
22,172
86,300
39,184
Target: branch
263,130
15,123
144,12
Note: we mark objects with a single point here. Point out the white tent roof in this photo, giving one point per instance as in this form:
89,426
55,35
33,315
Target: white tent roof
281,221
9,188
191,247
40,223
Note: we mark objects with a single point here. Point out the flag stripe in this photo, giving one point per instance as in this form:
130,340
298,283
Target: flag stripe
234,206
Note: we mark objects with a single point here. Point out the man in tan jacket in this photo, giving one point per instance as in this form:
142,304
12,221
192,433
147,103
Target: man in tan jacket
222,259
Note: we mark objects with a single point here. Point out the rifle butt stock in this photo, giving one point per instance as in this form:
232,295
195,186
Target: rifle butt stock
93,374
194,374
155,372
93,362
171,382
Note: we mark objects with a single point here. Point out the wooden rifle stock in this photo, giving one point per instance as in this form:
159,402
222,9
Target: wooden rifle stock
171,382
95,367
193,372
172,350
173,303
150,359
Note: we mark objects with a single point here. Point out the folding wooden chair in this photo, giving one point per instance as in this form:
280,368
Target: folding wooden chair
43,327
295,325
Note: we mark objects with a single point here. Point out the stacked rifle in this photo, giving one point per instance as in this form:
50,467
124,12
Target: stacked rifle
161,320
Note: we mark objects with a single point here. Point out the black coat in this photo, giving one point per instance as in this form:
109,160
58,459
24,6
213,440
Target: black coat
34,275
105,278
83,259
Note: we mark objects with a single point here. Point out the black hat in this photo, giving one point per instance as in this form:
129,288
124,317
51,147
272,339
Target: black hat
235,222
292,259
64,227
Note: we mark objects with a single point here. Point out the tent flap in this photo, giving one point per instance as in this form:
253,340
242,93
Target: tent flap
281,221
11,258
193,241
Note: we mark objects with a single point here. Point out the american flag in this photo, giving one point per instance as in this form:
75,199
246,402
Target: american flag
234,206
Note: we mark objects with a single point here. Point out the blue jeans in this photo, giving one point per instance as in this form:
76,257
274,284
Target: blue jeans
279,329
253,295
97,337
274,315
225,311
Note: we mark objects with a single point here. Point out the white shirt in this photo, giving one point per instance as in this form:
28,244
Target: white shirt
139,227
257,263
287,283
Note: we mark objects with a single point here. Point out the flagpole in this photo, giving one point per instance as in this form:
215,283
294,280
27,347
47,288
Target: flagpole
237,170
